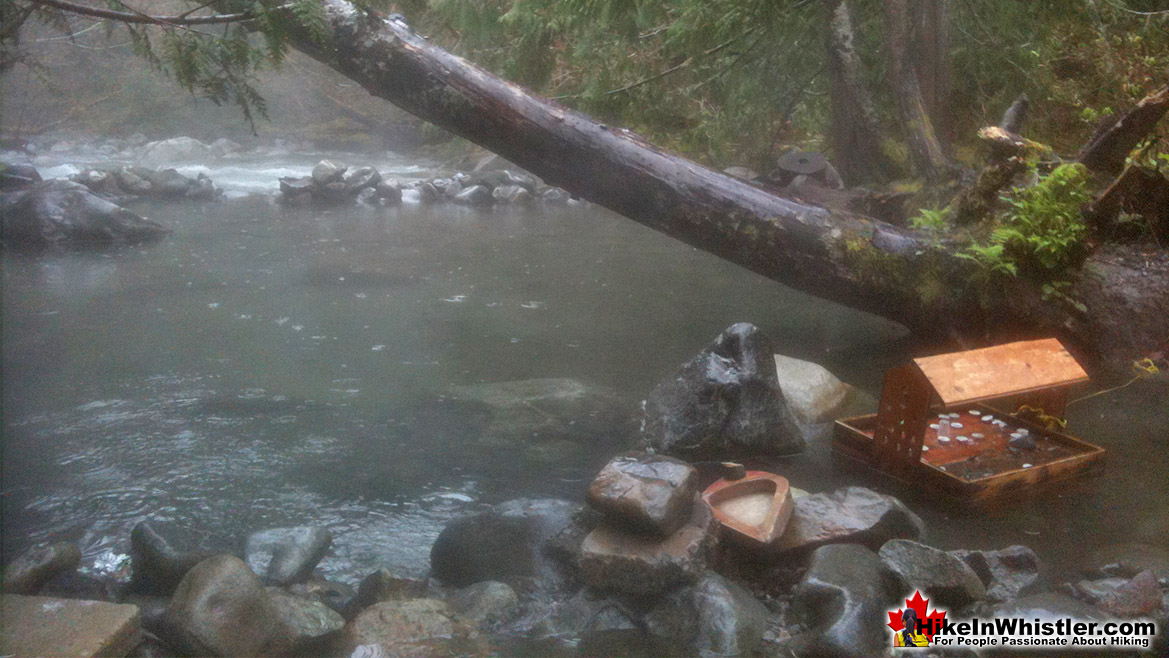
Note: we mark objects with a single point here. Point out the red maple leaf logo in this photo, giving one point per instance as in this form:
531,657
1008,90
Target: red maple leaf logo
931,623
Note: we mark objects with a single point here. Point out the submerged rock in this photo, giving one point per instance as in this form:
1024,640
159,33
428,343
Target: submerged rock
645,492
943,578
726,402
60,212
287,555
853,515
843,601
1008,573
34,567
713,617
221,609
616,560
507,543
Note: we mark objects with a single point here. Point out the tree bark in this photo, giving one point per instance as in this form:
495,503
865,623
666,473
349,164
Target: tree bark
855,133
931,56
1109,150
925,150
836,255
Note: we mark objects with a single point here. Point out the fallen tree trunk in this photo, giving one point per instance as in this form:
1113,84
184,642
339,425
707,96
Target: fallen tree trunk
843,257
1109,150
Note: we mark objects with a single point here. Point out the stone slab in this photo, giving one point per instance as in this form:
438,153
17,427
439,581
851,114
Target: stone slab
32,626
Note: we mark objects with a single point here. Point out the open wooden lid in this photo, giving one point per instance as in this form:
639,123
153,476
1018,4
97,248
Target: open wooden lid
1001,370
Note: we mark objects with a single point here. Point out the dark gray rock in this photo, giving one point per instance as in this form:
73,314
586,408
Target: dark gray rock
554,196
853,515
1022,443
287,555
134,181
326,172
713,617
60,212
725,402
427,192
1008,573
360,179
511,194
221,609
99,182
583,612
332,193
306,621
291,186
476,195
842,600
943,578
650,493
17,176
162,553
449,187
526,181
368,197
415,628
507,543
168,183
383,585
34,567
616,560
485,603
389,192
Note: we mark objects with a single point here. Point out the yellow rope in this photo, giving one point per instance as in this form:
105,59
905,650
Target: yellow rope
1049,421
1142,369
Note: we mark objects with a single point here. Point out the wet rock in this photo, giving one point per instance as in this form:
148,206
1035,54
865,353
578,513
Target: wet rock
815,395
306,621
33,568
507,543
1127,560
17,176
484,603
853,515
585,611
162,553
60,212
526,181
1008,573
326,172
291,186
360,178
83,586
415,628
511,194
171,151
427,192
224,146
44,626
713,617
723,403
1140,596
941,577
616,560
167,183
134,181
99,182
287,555
334,192
221,609
333,594
449,187
383,585
476,195
1046,606
554,196
368,197
542,410
842,600
650,493
390,192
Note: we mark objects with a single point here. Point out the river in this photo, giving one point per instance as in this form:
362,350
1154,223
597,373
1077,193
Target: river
266,366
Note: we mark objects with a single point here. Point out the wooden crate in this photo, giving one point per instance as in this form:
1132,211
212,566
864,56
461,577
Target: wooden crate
900,442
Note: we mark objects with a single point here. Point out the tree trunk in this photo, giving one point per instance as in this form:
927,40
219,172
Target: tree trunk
843,257
925,150
1108,151
855,133
931,61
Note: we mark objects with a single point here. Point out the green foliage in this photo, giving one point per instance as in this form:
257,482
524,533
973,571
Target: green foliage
932,219
1057,291
991,258
1045,231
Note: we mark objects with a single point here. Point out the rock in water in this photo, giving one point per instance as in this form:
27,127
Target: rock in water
507,543
646,492
287,555
326,172
34,567
221,609
615,560
1007,574
383,585
416,628
476,195
713,617
306,621
60,212
177,149
843,601
162,553
723,403
812,393
941,577
853,515
17,176
485,603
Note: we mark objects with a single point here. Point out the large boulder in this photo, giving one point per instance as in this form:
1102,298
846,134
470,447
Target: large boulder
1008,573
613,559
221,609
842,601
17,176
162,553
815,395
33,568
360,178
649,493
725,402
853,515
326,172
174,150
45,626
414,628
507,543
60,212
943,578
713,617
287,555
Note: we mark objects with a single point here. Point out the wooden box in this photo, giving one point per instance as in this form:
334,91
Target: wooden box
971,466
